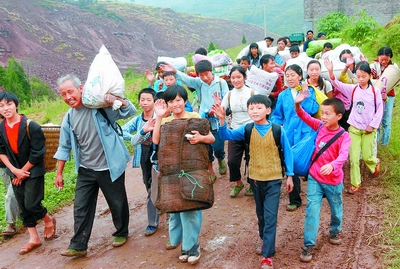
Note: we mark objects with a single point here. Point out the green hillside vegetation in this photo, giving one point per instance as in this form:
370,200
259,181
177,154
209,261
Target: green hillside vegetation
355,32
291,12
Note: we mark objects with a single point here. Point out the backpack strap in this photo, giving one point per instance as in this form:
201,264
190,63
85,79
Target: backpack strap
247,134
117,129
324,89
276,131
327,145
27,128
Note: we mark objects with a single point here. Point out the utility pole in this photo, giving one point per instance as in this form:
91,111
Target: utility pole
265,20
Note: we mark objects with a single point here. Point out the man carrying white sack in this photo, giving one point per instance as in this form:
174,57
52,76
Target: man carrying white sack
91,135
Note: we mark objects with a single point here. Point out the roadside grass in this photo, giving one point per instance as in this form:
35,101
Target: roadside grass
390,156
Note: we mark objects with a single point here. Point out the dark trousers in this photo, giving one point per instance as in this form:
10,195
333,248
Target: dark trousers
266,196
30,195
235,156
147,166
86,192
294,196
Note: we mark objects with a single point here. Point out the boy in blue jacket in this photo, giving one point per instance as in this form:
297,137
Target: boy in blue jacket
264,166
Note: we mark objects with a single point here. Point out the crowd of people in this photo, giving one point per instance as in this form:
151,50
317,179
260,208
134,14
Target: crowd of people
348,116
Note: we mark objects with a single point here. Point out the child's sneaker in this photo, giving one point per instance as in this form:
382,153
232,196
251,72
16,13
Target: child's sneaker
222,167
266,263
353,189
377,168
184,256
335,239
194,254
249,192
169,246
306,255
235,191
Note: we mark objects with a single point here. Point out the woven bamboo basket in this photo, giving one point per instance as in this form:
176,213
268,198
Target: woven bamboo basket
52,134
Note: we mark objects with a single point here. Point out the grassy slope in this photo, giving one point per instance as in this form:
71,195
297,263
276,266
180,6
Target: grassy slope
290,11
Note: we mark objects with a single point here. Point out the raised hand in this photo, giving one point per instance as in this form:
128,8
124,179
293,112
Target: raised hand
160,107
167,67
363,58
149,125
217,98
303,94
218,111
328,64
350,61
150,76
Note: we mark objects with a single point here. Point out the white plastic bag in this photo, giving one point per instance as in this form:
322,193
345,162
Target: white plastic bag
103,77
261,81
179,63
245,51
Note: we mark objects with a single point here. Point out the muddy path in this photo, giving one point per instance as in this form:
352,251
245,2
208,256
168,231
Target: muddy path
229,235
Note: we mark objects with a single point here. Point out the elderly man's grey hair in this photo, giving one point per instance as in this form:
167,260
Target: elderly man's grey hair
72,77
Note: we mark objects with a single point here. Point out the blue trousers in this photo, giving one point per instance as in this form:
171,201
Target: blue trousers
86,192
266,196
185,227
315,192
217,148
386,122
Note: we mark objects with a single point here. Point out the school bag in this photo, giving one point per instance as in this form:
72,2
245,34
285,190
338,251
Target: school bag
276,132
302,153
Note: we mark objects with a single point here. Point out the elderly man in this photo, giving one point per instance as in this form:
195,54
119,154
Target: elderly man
100,159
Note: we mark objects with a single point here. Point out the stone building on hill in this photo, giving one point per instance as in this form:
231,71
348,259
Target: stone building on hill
381,10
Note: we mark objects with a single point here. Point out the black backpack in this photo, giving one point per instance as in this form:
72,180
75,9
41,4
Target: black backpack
276,131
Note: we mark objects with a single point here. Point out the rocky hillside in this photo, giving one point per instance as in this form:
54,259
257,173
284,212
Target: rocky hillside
51,38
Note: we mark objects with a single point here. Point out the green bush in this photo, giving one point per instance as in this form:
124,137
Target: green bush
332,24
363,29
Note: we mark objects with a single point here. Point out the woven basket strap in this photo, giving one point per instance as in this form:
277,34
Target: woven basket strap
27,128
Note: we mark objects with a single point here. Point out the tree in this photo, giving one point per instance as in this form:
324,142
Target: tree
211,47
332,24
2,75
244,41
17,82
41,90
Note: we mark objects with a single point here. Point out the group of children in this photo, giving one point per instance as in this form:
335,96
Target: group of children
295,110
265,131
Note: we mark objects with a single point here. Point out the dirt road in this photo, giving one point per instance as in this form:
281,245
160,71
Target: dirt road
229,235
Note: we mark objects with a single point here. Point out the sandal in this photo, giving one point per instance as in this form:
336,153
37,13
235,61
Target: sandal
28,247
50,230
353,189
10,231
